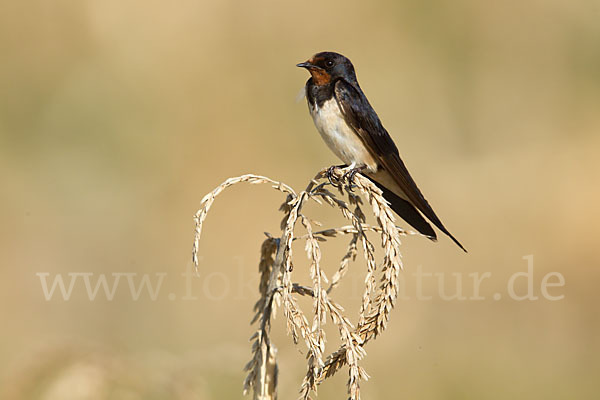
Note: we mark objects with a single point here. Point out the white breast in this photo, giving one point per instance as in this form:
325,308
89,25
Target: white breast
341,139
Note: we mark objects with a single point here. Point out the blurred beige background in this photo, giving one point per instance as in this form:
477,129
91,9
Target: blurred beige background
116,117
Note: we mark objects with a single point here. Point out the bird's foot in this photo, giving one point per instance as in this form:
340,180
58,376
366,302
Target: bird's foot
335,182
349,176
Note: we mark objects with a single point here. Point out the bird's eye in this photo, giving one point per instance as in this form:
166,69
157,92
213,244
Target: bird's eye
329,63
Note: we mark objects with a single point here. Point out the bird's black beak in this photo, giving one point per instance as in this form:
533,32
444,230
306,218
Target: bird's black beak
307,65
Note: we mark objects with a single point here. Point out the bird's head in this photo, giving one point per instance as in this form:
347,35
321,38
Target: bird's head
328,66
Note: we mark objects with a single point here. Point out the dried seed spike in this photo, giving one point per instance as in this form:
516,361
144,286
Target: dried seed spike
277,290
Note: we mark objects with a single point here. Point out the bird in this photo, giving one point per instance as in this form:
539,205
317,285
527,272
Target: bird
352,130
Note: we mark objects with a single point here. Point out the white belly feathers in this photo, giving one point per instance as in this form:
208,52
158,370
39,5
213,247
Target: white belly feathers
340,138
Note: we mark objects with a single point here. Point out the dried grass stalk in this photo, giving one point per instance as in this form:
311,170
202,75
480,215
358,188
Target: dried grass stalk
277,289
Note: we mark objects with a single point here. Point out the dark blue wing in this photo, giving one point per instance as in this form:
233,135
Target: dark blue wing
361,117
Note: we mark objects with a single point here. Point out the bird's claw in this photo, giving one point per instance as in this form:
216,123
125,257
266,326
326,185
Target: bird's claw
349,177
335,182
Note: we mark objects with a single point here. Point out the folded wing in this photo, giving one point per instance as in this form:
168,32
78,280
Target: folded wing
359,115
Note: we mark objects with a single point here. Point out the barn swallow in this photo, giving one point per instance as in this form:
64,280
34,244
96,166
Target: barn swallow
353,131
